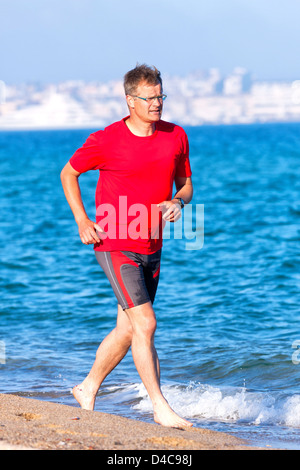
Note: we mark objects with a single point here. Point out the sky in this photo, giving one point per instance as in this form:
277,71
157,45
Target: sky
57,40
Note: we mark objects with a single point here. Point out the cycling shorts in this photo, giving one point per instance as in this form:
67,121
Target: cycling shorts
133,276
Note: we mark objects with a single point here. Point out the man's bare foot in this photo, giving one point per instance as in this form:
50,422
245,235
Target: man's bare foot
85,399
167,417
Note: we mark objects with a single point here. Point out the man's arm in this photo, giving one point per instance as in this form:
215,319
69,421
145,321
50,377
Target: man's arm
86,227
184,187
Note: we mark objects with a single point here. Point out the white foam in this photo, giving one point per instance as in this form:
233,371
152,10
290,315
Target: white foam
291,411
232,404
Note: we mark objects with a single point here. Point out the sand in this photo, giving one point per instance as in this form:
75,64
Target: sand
29,424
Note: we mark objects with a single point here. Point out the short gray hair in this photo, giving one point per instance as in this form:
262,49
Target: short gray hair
141,73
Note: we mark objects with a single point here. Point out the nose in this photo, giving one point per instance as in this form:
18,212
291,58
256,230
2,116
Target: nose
157,101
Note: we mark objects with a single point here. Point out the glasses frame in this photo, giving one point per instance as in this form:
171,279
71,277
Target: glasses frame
160,98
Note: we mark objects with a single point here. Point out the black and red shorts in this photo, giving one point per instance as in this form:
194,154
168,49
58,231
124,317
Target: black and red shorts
133,276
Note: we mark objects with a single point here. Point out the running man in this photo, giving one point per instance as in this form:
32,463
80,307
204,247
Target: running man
139,158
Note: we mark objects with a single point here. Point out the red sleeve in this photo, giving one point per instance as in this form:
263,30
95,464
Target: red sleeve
90,155
183,166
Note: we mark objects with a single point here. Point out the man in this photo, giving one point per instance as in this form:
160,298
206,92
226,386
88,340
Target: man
139,159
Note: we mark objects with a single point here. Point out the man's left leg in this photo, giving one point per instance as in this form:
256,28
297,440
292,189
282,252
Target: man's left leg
144,354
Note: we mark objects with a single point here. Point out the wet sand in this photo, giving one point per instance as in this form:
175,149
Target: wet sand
27,424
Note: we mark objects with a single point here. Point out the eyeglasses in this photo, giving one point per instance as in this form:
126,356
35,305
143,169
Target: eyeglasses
151,99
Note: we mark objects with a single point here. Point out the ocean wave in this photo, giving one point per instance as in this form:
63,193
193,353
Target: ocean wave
205,402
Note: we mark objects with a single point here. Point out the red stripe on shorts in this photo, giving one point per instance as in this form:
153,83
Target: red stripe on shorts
118,260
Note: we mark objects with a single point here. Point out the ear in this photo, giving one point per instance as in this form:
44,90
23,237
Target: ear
130,101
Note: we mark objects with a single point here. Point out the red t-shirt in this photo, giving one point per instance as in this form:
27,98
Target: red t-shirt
136,173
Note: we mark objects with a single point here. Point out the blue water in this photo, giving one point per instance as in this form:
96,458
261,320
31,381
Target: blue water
228,314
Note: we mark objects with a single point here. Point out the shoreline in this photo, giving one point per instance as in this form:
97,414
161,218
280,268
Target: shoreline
31,424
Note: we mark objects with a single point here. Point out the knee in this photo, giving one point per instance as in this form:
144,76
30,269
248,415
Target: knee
143,321
147,328
124,334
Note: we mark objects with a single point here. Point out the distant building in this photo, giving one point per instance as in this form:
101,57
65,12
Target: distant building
237,83
202,97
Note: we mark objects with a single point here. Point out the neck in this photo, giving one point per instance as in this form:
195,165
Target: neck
140,129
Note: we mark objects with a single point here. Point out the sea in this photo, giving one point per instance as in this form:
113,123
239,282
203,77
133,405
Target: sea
228,307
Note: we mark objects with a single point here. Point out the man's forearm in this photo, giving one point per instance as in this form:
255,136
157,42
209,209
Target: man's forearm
185,193
73,195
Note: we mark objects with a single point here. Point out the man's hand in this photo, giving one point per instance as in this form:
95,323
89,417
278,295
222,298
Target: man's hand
87,231
171,211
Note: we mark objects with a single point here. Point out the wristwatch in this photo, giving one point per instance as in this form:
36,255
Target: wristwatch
181,202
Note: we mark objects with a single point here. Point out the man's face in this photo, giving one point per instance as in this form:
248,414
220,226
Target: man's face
148,112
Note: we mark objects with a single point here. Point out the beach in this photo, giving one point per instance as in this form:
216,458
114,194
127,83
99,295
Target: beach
29,424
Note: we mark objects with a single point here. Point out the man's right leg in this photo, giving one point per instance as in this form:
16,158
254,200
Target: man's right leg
110,352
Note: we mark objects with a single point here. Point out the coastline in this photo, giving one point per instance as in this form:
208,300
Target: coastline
30,424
